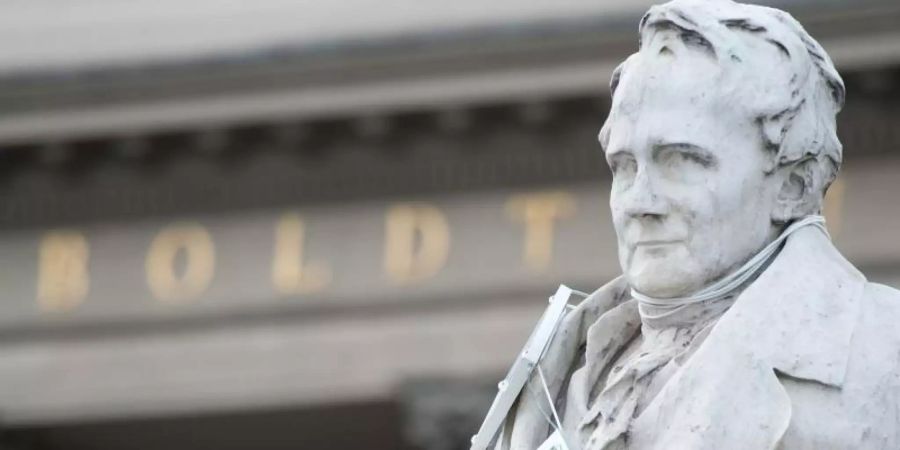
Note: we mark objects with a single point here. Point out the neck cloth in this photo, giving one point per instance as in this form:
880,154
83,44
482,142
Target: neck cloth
732,281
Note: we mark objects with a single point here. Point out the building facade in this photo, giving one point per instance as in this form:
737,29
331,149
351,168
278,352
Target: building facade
337,239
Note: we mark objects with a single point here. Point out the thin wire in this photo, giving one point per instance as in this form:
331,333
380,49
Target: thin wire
558,426
554,422
729,283
549,397
541,409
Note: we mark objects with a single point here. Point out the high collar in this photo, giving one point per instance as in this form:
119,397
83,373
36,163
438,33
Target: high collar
797,318
800,314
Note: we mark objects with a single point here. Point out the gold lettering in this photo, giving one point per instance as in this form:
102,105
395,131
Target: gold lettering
417,242
163,277
290,274
539,213
63,278
834,205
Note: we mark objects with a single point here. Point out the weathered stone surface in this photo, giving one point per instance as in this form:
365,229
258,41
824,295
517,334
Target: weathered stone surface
722,140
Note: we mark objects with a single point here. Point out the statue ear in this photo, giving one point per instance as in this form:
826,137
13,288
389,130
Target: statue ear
797,196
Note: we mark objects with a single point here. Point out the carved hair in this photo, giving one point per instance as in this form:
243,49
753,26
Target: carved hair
797,114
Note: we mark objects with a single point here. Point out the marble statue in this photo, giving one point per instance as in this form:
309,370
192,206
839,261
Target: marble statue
736,324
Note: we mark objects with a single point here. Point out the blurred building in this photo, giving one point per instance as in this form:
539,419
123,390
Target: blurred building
285,224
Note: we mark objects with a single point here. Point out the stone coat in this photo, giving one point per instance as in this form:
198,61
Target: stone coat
808,357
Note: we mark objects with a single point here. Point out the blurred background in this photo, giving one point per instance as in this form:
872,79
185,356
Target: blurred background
283,224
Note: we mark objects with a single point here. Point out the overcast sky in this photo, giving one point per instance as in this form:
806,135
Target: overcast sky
40,33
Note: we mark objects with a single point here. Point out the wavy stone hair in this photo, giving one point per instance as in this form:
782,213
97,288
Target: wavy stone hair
797,121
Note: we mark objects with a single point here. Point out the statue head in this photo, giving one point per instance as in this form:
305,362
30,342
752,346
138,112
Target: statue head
721,131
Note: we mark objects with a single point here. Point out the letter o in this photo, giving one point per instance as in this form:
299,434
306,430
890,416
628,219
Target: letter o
199,267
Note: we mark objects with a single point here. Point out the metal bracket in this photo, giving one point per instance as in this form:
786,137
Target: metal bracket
520,372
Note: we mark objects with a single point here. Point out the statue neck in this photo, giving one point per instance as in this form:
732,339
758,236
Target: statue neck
664,309
659,318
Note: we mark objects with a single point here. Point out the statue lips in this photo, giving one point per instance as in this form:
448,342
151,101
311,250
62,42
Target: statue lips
656,242
656,247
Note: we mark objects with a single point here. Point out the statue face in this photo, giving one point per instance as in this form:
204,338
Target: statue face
690,198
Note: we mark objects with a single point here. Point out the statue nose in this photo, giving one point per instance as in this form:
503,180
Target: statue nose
644,199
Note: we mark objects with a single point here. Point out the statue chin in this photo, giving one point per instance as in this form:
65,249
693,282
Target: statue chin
662,283
660,288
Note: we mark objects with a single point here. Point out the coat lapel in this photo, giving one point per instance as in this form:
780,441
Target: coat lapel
796,319
529,427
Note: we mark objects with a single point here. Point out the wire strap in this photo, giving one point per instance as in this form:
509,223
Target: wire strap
734,280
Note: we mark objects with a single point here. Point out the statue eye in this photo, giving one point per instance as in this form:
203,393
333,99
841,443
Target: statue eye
623,166
685,158
698,159
678,157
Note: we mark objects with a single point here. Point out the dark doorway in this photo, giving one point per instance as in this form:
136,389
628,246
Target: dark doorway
355,426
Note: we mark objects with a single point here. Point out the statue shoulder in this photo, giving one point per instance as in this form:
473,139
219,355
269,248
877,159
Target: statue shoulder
883,301
877,333
871,391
